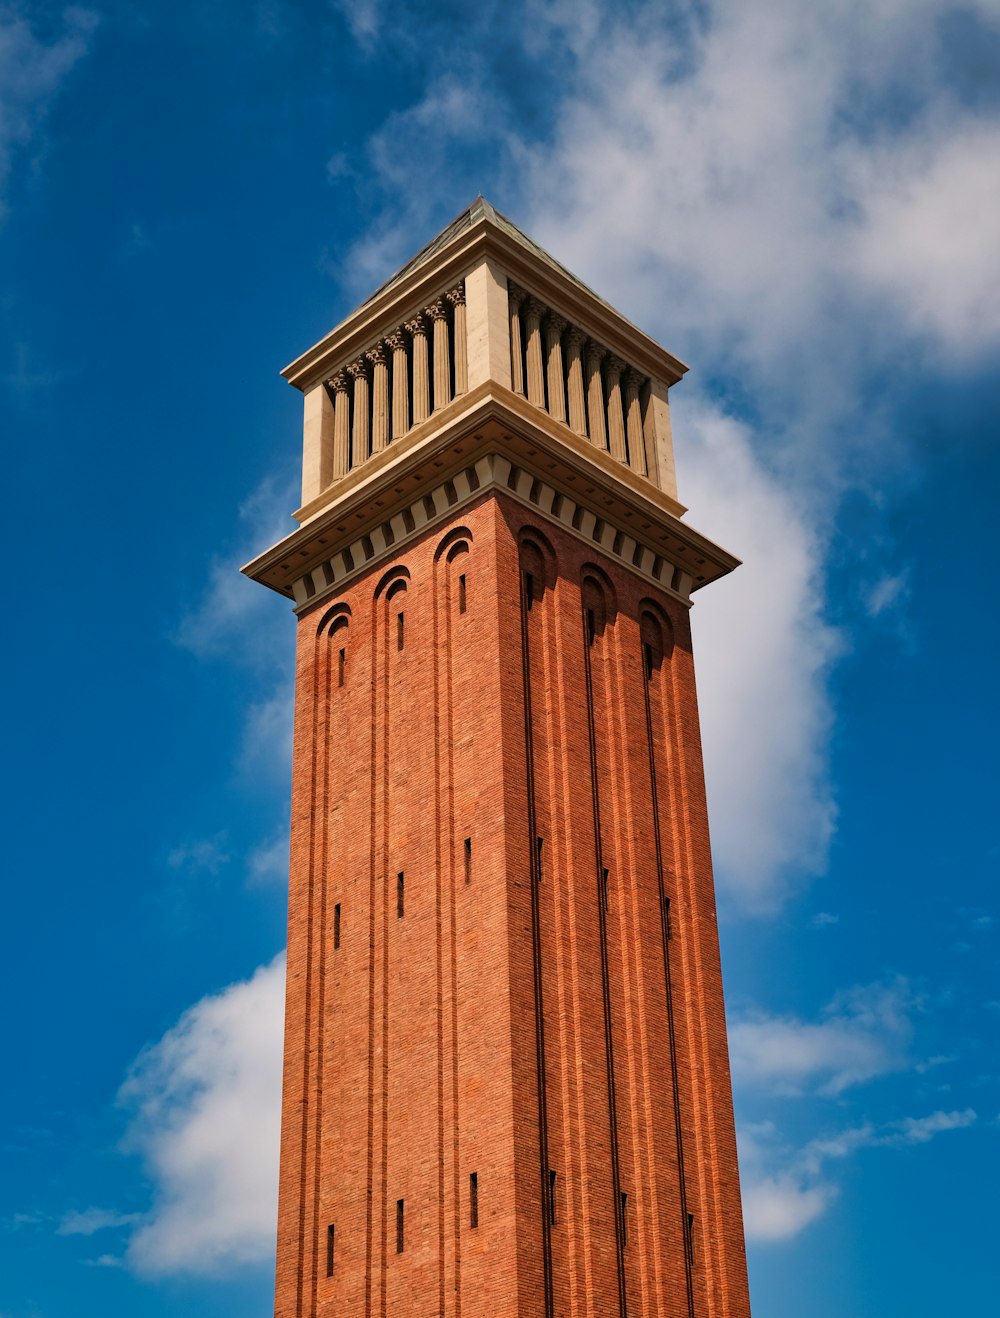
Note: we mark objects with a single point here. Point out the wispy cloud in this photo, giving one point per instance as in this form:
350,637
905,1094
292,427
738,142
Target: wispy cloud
230,618
824,918
785,1189
205,1105
268,862
363,18
201,856
863,1033
92,1220
32,71
888,592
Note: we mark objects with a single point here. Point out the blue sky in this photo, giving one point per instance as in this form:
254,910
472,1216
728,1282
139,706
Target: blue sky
798,199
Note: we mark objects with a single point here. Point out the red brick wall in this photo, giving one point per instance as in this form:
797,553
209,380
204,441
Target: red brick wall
412,1050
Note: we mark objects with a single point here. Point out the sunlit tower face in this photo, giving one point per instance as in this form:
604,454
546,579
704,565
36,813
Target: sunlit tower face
506,1082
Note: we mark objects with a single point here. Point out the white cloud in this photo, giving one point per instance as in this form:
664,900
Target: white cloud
795,197
786,1189
205,1103
929,235
762,651
863,1033
778,167
31,73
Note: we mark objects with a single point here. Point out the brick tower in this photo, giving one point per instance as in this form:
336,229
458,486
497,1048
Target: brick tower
506,1084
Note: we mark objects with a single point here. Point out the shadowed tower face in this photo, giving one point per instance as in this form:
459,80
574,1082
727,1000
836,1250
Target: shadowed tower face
506,1084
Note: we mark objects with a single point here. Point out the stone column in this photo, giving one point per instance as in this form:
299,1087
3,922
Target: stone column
595,397
417,328
515,296
533,312
554,326
341,425
457,299
613,368
438,313
379,359
575,340
400,384
361,439
633,422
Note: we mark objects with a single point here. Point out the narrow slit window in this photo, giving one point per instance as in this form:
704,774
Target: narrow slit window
604,889
689,1241
330,1234
461,594
336,927
467,851
647,659
552,1197
624,1203
341,667
538,857
473,1199
399,631
400,1236
529,588
666,918
591,627
399,895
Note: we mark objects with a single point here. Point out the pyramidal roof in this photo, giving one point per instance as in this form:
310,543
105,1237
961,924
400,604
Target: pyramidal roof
480,211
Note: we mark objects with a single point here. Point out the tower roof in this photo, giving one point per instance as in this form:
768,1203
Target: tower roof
482,229
483,211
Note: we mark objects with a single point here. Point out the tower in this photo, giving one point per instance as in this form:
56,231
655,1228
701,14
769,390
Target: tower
506,1082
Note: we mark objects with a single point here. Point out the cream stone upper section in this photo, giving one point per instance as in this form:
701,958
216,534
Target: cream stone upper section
482,309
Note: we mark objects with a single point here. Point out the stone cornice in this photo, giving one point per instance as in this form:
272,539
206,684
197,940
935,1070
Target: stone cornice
490,423
412,291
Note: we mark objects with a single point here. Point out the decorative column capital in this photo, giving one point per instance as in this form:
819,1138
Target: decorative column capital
338,383
575,338
555,324
358,370
516,294
534,308
396,341
614,367
456,296
416,327
595,353
378,355
633,379
437,310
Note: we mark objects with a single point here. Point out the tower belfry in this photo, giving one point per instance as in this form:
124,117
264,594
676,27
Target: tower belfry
506,1080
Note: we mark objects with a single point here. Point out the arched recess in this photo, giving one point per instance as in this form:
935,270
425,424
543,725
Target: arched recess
538,563
392,582
457,541
656,635
334,619
599,600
